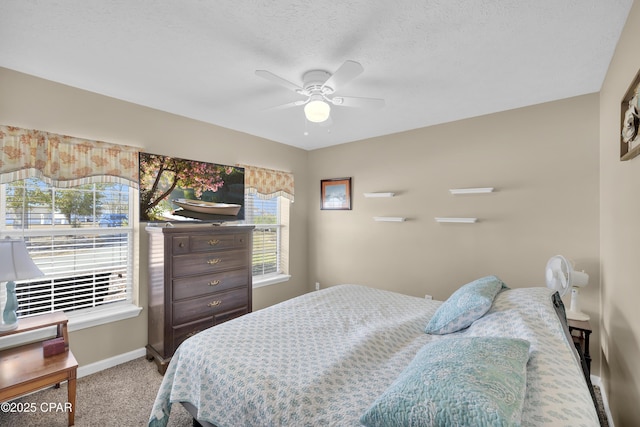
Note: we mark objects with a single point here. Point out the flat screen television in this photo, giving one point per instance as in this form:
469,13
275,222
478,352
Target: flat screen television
174,189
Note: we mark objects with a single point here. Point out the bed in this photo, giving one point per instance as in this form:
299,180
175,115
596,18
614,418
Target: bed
351,355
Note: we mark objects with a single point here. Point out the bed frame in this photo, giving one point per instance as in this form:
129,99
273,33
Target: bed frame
193,412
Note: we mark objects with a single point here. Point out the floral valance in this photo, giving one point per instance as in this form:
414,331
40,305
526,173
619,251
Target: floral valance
64,161
268,183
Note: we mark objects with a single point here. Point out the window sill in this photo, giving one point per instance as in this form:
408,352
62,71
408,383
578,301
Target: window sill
271,280
101,316
77,321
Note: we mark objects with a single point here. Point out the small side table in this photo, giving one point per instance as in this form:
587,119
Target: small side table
581,331
24,369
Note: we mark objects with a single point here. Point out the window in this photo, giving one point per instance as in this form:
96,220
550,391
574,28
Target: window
269,236
269,196
80,237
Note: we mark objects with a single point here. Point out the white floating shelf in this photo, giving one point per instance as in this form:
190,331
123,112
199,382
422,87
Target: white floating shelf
389,219
471,190
370,195
458,220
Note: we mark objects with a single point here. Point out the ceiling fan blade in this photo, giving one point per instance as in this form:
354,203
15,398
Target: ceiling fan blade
343,75
278,80
288,105
352,101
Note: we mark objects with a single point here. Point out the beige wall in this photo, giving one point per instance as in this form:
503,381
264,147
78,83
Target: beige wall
29,102
543,162
620,236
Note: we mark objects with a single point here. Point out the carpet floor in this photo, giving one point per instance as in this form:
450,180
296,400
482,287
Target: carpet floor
120,396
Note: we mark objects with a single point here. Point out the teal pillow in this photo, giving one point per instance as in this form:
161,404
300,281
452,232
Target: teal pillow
471,381
466,305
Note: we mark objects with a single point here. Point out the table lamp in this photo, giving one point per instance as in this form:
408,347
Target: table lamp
15,264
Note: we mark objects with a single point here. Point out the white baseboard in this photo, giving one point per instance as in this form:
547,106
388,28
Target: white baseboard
101,365
596,381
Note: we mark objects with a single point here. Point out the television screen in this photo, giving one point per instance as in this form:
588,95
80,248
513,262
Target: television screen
174,189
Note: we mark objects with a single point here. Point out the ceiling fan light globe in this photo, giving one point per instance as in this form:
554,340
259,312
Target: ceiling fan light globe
317,111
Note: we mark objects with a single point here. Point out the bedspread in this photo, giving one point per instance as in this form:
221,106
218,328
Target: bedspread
324,357
557,393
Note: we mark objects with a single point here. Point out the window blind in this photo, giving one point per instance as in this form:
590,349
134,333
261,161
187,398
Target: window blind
264,214
265,249
82,270
79,237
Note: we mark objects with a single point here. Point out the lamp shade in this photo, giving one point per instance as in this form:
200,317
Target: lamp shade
316,110
15,262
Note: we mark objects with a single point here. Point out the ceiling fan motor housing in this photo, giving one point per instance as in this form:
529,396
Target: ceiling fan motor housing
314,81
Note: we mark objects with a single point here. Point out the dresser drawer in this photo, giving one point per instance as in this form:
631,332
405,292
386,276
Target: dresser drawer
209,305
210,242
228,315
186,331
180,245
208,262
190,287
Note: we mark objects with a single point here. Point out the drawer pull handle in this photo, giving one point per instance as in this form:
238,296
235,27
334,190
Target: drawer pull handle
214,303
214,261
214,283
213,242
181,244
190,334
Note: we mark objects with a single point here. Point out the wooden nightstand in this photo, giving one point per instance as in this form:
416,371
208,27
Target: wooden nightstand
580,331
24,369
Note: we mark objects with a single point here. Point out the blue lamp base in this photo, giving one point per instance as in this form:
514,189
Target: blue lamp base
6,328
9,317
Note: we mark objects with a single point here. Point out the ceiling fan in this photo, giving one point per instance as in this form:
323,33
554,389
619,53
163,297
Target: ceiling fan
319,88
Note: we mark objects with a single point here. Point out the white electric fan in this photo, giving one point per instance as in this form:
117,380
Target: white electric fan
561,277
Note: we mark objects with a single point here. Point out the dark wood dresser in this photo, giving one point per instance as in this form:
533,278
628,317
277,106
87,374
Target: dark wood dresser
199,276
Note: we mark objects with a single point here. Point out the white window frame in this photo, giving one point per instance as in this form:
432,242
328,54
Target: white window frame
281,274
93,316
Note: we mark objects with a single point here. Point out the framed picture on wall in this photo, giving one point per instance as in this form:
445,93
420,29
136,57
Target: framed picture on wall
630,121
335,194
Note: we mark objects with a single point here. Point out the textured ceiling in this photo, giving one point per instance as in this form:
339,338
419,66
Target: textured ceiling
432,61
